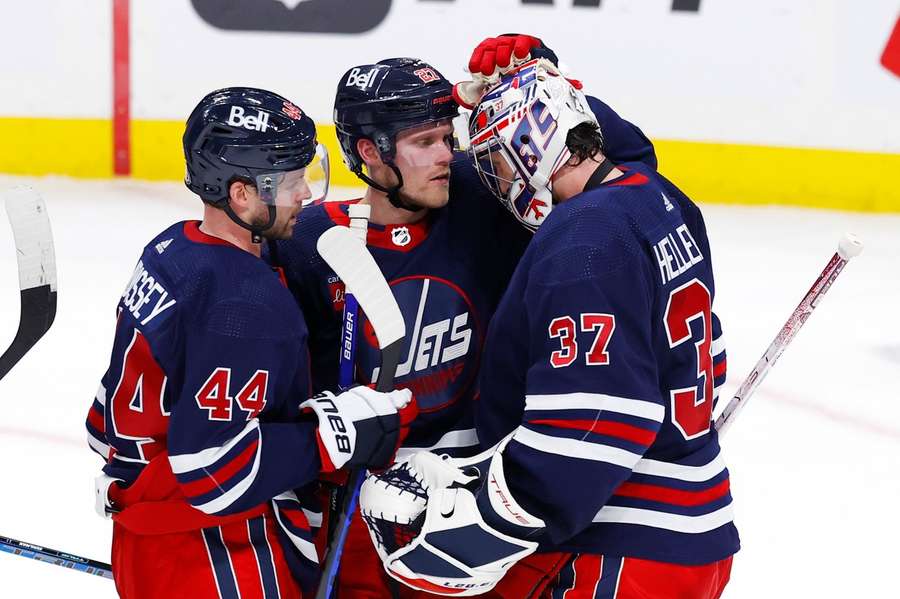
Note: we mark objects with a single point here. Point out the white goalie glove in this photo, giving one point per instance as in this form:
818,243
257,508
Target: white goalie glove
436,522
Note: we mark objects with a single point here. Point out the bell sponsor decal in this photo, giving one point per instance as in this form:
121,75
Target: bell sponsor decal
360,79
258,122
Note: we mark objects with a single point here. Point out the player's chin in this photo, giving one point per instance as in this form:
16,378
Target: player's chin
285,231
436,196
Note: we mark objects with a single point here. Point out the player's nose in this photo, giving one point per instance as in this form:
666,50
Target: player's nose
303,193
445,155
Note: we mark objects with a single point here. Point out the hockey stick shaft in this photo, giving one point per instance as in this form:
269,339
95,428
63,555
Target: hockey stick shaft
351,496
37,272
847,249
384,314
359,226
359,223
57,558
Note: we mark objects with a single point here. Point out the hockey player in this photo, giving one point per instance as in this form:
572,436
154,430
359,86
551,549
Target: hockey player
442,241
598,382
203,417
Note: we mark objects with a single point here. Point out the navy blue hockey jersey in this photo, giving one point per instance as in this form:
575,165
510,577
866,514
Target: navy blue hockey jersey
447,276
447,272
208,367
604,358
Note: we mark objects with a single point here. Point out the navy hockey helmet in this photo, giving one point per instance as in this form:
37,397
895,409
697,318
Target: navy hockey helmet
241,133
377,101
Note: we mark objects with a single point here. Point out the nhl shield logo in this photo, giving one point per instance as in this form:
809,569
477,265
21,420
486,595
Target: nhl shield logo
400,236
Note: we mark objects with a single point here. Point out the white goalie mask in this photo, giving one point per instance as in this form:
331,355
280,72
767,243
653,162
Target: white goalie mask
518,136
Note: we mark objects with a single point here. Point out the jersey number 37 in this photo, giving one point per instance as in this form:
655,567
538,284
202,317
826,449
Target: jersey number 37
691,406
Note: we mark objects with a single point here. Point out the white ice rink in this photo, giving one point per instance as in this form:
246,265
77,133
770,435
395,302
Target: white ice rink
814,460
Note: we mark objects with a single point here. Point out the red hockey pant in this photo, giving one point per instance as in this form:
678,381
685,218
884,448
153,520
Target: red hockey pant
238,560
588,576
545,576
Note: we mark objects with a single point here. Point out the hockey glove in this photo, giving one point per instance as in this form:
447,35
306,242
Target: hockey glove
496,56
499,55
437,527
361,427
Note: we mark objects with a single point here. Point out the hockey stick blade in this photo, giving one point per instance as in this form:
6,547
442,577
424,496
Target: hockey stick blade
353,263
848,248
57,558
37,272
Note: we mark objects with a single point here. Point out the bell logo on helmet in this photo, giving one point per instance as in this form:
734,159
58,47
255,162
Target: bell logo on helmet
260,122
356,78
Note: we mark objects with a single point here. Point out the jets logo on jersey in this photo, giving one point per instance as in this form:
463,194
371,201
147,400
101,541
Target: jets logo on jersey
400,236
440,355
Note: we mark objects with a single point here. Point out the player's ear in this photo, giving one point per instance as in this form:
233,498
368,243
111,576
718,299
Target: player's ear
239,194
368,152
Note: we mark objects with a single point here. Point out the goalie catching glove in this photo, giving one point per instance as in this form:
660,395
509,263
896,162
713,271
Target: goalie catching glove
448,527
361,427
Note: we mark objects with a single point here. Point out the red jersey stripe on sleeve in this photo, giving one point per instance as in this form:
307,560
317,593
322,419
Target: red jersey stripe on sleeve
220,477
619,430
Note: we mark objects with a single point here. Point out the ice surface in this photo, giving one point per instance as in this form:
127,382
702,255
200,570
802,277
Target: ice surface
814,459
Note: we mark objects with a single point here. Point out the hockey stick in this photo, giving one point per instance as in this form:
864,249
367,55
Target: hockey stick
57,558
37,272
359,226
352,262
848,247
37,283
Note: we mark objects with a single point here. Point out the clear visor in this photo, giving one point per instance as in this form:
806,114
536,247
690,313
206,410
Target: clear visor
304,186
427,146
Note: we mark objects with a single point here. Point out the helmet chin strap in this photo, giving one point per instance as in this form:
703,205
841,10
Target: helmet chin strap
599,174
255,231
393,192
